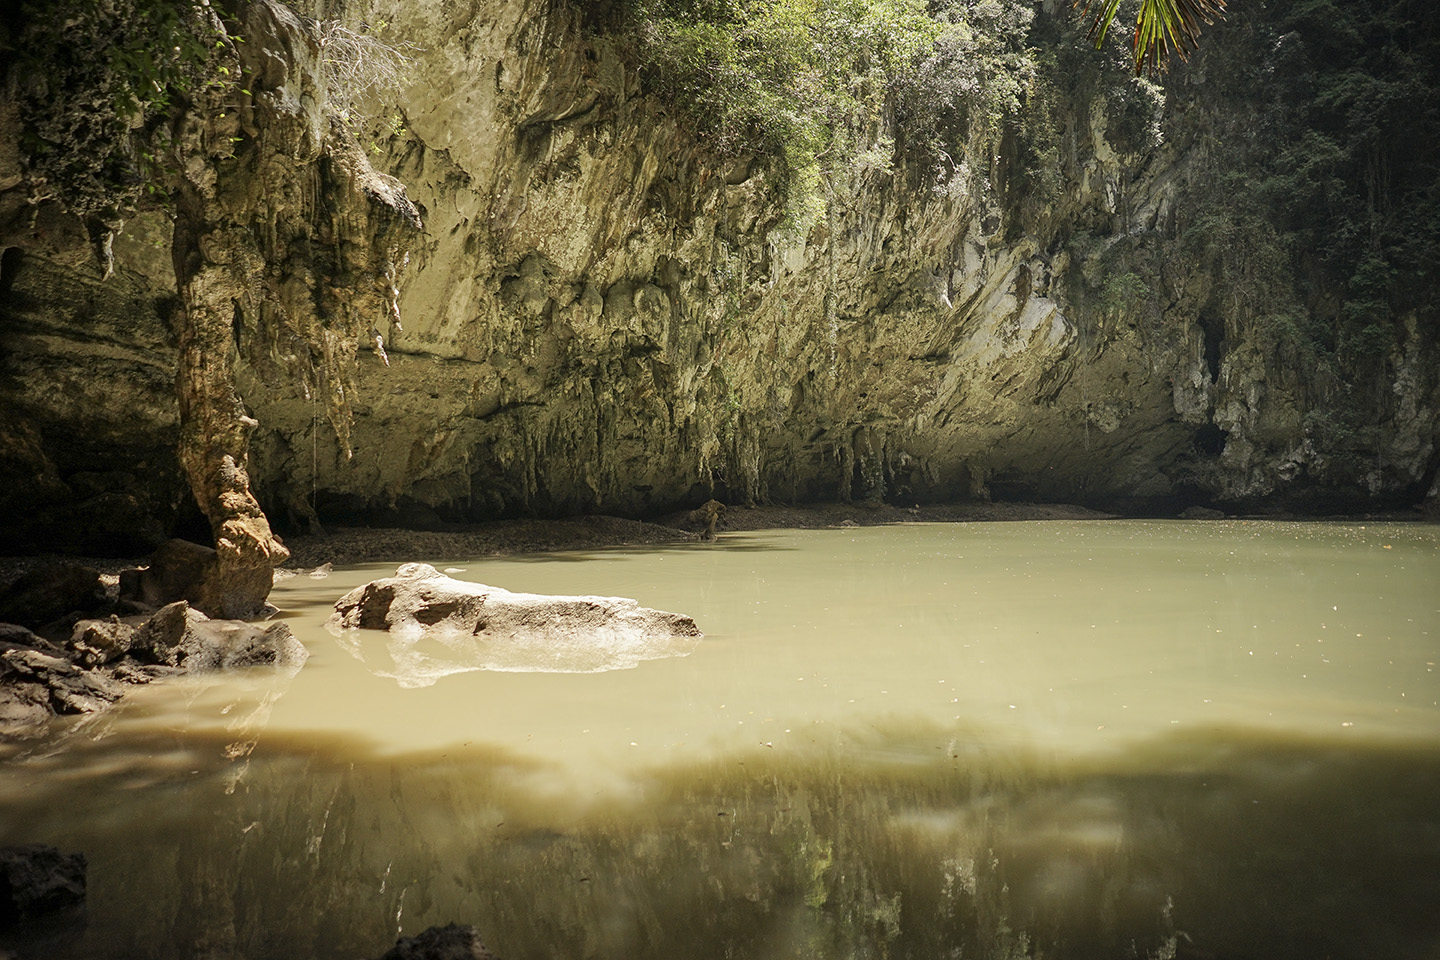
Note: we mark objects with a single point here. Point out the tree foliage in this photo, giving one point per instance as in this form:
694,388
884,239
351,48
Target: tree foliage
1162,28
1321,212
816,83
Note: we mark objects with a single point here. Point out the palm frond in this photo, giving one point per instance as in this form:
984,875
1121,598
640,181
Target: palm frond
1162,27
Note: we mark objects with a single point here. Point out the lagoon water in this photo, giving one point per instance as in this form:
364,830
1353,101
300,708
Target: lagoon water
1058,739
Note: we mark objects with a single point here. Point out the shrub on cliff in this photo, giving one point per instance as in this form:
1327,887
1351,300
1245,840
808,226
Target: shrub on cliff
826,87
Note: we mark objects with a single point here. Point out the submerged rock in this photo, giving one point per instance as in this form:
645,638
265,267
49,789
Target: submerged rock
480,627
450,942
36,880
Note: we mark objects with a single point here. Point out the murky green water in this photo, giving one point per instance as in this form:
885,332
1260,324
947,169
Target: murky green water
1069,740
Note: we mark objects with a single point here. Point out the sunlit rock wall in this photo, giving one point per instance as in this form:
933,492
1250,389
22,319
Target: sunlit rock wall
604,316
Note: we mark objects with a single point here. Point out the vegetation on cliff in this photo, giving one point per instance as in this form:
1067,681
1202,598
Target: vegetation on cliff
98,88
1304,231
1317,219
827,86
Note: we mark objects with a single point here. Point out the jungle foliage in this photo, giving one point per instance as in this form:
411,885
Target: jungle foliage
1163,28
1336,185
818,84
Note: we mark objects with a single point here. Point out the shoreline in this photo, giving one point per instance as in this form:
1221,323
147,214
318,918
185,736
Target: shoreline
344,545
347,545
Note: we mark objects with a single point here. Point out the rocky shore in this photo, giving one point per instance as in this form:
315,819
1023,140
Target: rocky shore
76,632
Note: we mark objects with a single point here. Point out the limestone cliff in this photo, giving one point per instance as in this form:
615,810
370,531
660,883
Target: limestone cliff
280,232
605,315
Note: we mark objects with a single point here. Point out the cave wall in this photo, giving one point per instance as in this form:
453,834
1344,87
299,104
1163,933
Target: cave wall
603,315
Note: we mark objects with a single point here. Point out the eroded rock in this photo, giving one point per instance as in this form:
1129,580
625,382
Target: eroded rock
40,679
94,643
482,627
67,687
704,520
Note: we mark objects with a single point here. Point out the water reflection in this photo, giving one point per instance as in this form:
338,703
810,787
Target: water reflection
983,741
414,659
909,842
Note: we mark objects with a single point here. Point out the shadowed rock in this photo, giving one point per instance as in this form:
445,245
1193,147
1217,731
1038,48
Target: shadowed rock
450,942
35,681
51,593
36,880
39,679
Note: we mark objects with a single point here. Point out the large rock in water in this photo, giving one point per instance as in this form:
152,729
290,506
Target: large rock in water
480,627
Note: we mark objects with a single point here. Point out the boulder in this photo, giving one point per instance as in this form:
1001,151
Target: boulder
94,643
704,520
180,636
36,880
175,571
1201,513
483,627
450,942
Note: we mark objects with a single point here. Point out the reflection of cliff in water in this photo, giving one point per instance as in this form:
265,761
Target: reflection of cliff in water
1207,843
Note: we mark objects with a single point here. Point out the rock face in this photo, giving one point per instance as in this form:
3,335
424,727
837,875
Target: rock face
605,316
483,627
245,164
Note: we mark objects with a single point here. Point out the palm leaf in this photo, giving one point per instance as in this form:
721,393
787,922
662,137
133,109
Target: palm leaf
1163,27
